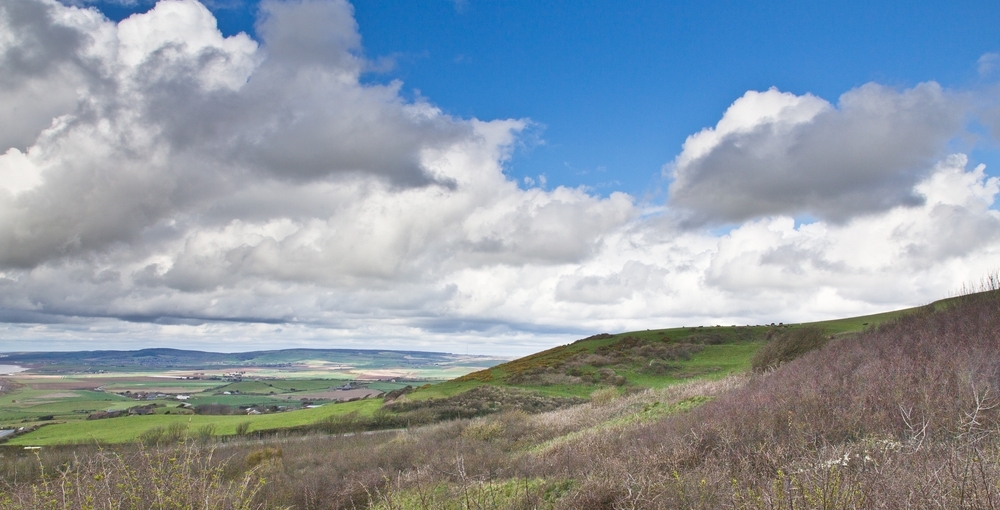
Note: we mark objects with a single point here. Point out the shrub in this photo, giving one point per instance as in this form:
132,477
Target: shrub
171,434
262,455
242,428
152,436
215,409
483,430
787,345
339,423
481,401
398,392
604,396
206,432
481,376
139,477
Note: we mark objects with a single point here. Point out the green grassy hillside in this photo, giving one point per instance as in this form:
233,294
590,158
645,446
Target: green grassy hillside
650,358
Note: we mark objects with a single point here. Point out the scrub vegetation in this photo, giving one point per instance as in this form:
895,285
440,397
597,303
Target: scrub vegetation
904,413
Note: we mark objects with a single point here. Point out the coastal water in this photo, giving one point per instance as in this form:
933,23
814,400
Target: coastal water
10,369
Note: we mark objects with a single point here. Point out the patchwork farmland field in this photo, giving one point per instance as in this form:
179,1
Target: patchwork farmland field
87,397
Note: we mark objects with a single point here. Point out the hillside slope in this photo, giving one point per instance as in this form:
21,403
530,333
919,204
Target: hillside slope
905,415
902,415
559,377
648,359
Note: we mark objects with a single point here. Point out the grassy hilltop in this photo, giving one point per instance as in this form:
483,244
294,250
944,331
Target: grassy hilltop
896,410
643,359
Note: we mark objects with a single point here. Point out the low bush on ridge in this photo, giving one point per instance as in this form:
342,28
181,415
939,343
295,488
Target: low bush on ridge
479,401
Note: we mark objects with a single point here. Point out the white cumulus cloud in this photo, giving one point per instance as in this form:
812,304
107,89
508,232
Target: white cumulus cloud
777,153
163,184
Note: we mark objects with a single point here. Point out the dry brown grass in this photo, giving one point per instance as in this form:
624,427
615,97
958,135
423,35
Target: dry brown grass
183,477
905,416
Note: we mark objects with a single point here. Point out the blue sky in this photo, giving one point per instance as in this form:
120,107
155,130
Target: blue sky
615,89
502,175
619,87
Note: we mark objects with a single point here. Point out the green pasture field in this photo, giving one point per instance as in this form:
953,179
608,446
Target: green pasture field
239,400
29,404
71,412
442,390
389,386
441,374
292,385
854,324
257,387
128,429
25,405
175,385
281,385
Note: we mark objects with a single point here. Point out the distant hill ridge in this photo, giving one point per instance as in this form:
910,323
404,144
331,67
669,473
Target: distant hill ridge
168,357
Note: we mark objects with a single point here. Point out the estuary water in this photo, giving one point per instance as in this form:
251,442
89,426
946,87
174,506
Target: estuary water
10,369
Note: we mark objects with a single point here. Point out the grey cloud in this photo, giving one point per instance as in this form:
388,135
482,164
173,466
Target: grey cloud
42,43
193,320
796,261
953,232
633,278
21,316
79,289
335,134
453,325
83,207
39,72
171,134
85,3
862,157
988,110
562,230
303,34
302,115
